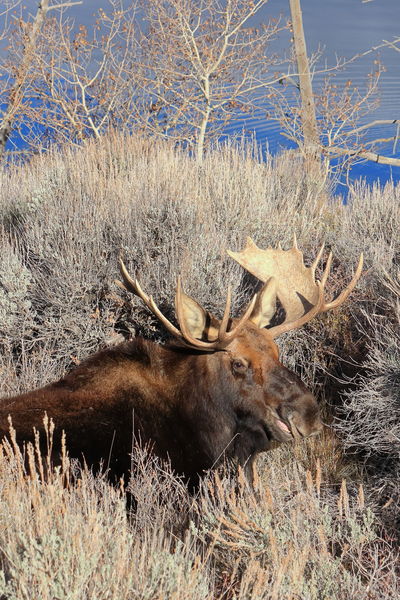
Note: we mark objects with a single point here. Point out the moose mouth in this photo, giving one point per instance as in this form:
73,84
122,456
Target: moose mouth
291,428
279,430
283,426
286,428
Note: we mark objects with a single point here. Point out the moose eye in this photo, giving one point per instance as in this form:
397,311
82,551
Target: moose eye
239,366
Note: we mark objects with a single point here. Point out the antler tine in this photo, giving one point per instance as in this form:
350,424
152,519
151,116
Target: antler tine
317,259
295,241
327,270
225,319
224,336
345,293
186,335
132,285
242,320
289,325
300,295
167,324
129,284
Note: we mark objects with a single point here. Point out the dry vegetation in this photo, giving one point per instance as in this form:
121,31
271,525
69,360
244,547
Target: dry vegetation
323,523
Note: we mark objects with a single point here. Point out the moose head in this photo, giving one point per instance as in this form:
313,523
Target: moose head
270,402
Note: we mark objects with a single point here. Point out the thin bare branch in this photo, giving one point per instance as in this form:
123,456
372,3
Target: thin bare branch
372,156
377,122
64,5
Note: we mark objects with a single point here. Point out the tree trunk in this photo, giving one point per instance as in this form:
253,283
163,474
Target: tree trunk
202,136
309,120
204,121
315,172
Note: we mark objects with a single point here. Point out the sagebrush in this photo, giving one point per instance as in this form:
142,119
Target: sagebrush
64,219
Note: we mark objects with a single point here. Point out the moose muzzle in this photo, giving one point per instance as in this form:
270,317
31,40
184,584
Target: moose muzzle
294,410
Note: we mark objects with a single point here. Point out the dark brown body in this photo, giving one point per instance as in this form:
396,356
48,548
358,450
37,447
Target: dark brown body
195,408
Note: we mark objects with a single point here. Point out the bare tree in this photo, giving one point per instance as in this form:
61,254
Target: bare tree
182,69
308,118
82,83
329,119
202,66
367,150
77,78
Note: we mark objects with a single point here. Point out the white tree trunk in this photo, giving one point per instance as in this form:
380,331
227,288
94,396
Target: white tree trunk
309,120
315,172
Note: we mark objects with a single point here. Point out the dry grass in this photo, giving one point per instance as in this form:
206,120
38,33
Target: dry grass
70,538
63,220
69,535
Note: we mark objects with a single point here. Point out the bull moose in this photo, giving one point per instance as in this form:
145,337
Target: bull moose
216,391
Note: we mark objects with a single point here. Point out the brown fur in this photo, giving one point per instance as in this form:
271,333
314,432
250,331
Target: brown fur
195,408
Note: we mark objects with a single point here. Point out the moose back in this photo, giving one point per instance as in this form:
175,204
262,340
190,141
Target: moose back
217,392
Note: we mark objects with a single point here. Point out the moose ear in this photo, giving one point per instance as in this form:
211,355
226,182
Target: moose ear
265,306
195,316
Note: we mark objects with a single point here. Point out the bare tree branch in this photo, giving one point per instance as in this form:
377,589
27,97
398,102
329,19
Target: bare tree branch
82,81
372,124
64,5
338,110
372,156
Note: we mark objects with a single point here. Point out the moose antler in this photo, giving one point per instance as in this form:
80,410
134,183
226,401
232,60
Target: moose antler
183,304
300,294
